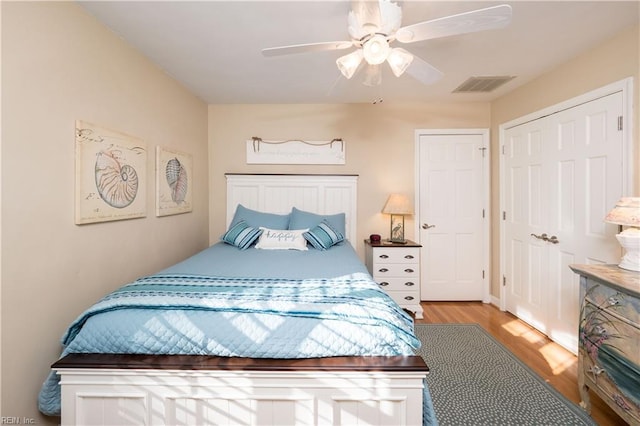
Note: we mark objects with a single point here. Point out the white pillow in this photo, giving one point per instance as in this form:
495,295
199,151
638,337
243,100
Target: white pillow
282,239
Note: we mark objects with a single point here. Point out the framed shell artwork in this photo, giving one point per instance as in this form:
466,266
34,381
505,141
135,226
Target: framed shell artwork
111,171
174,177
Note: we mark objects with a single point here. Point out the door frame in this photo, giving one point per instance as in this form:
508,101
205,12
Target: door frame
486,198
626,87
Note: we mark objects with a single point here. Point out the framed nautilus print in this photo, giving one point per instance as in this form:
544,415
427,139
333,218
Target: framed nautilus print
173,182
111,175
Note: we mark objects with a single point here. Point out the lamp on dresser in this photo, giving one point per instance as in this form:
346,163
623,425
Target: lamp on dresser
627,213
397,206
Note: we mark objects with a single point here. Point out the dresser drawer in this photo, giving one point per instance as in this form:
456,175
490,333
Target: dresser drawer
398,284
396,255
614,302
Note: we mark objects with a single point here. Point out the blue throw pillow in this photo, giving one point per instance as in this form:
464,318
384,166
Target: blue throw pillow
241,235
301,219
323,236
257,219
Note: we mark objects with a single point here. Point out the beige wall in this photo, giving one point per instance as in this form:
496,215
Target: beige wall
380,145
612,61
60,65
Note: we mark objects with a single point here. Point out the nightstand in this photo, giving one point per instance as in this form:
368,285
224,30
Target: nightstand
396,268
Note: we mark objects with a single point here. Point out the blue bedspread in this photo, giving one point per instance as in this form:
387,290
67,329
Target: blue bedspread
178,313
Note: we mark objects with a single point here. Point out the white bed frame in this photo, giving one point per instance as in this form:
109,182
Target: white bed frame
191,390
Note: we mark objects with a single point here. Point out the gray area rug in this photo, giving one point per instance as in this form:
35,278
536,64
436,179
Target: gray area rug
475,380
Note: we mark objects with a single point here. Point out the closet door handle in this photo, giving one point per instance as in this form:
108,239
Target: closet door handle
553,240
542,237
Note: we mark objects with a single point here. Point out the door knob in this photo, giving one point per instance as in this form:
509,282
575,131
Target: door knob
553,239
427,226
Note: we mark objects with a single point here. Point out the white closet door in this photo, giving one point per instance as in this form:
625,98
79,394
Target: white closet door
563,173
586,181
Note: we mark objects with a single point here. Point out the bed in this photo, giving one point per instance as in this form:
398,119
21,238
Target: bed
245,332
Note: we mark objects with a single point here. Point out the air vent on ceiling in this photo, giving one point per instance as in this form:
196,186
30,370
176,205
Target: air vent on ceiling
482,84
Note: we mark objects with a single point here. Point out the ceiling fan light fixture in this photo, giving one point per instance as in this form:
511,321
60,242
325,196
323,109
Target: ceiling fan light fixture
376,49
348,64
399,60
372,76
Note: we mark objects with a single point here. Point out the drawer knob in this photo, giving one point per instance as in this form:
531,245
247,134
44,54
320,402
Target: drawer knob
409,270
409,284
384,256
383,270
408,298
384,283
409,256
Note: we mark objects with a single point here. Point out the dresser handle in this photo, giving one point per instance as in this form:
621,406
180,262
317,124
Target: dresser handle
384,283
408,298
409,270
595,370
409,284
383,270
384,256
409,256
613,300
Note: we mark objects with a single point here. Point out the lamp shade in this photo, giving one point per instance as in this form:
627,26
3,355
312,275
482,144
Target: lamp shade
399,60
398,204
626,212
348,64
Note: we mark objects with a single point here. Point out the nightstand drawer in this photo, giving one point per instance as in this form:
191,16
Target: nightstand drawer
403,298
398,284
394,270
396,255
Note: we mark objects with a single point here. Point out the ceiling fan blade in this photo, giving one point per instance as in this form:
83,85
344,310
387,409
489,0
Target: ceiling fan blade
304,48
468,22
368,14
423,71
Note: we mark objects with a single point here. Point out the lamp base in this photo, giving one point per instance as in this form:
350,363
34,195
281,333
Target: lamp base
397,241
396,233
630,241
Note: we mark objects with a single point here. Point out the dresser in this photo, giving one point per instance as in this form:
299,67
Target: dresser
396,268
609,338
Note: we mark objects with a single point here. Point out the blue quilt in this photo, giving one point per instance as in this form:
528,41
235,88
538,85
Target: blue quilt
176,313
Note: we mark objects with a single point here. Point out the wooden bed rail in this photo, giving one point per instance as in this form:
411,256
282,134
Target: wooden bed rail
204,362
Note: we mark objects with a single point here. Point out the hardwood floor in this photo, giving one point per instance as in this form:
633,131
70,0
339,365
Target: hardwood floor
553,363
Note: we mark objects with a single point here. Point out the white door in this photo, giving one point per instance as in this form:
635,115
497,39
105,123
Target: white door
564,172
452,210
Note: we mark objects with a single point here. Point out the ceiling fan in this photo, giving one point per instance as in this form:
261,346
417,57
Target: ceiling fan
375,25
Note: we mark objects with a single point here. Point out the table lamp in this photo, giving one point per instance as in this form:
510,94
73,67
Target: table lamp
397,206
627,213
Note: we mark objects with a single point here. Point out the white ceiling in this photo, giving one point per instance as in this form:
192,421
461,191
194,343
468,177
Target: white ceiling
214,47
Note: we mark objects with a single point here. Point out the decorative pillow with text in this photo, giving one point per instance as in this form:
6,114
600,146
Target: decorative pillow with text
282,239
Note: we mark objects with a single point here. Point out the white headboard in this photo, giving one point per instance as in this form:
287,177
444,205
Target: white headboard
270,193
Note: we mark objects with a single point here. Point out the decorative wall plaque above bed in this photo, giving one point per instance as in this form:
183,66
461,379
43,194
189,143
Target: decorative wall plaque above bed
295,151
